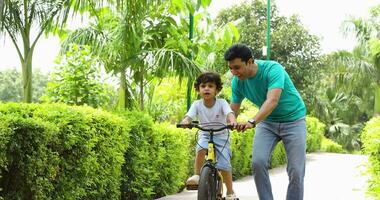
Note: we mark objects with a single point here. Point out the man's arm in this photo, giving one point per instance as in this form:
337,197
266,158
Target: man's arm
235,107
273,96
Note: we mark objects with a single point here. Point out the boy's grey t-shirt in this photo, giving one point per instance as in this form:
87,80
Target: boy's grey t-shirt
217,113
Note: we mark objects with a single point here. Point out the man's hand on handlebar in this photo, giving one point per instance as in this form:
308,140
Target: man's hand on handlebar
243,126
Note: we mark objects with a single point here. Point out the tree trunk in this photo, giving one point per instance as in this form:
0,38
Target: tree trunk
377,100
122,103
188,92
142,92
27,73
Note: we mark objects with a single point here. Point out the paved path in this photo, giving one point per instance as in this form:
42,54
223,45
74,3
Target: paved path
329,176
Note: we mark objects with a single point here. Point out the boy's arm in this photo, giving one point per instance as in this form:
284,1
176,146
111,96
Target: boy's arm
231,119
186,120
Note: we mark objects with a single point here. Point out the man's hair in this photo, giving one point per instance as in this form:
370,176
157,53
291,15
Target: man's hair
241,51
209,77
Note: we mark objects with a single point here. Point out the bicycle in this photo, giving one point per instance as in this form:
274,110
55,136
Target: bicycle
210,186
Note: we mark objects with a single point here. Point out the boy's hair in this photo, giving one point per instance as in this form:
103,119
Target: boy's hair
241,51
209,77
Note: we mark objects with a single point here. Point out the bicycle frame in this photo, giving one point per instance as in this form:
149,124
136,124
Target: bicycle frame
209,167
211,162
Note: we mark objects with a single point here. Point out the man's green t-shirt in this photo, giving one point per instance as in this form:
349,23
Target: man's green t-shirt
270,75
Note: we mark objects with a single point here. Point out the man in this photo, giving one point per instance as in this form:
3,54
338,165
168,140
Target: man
281,117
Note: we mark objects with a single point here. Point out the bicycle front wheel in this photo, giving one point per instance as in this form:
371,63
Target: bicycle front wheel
208,184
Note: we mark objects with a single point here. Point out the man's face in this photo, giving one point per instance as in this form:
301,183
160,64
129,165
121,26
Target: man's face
239,68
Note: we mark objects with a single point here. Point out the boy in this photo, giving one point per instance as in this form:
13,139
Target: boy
210,109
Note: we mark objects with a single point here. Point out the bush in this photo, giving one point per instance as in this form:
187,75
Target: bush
54,151
174,156
371,146
315,130
156,159
241,147
328,145
278,155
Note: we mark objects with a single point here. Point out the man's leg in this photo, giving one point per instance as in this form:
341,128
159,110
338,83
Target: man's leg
294,137
264,141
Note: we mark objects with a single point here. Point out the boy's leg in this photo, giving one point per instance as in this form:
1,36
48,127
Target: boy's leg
192,182
294,138
223,155
265,140
199,159
227,179
201,150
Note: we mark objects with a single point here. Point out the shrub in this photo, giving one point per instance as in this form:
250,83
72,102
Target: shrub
173,158
241,147
315,130
54,151
328,145
278,155
371,146
28,164
138,170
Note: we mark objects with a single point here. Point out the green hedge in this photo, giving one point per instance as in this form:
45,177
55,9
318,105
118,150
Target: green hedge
328,145
315,131
156,159
241,147
175,155
371,146
53,151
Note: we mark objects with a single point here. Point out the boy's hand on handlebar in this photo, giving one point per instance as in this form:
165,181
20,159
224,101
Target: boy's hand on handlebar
243,126
233,124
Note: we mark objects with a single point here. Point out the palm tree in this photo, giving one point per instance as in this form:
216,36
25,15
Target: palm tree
375,53
20,19
367,33
131,41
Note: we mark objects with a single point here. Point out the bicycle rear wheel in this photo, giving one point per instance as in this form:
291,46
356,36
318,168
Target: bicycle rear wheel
208,184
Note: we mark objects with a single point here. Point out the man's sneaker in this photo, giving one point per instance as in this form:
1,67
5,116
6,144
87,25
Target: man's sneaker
231,197
192,182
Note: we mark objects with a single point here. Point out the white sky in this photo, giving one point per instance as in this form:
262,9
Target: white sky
322,17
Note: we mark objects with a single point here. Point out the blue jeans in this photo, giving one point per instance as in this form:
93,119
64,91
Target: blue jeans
293,135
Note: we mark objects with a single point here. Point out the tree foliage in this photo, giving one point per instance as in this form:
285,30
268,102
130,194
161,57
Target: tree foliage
367,32
11,85
291,43
77,80
130,41
28,20
345,91
152,44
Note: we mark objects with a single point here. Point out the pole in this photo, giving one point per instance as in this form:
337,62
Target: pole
268,30
189,80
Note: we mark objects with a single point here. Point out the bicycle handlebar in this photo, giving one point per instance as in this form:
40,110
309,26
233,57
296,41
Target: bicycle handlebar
201,127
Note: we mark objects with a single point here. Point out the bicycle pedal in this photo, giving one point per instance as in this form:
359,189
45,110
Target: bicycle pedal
192,187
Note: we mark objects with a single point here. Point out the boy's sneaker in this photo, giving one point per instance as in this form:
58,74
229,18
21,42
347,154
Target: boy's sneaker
192,182
231,197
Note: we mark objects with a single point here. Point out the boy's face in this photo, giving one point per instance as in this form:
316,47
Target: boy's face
208,90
